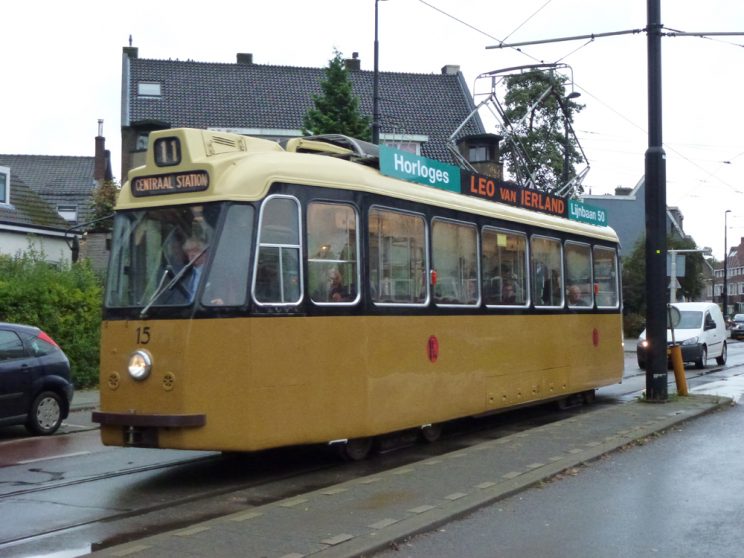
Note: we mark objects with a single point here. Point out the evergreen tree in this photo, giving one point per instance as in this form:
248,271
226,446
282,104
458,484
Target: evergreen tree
336,110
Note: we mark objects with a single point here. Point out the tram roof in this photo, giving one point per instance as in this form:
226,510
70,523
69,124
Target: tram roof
246,167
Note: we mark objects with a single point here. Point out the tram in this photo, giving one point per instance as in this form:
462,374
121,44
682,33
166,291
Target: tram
263,295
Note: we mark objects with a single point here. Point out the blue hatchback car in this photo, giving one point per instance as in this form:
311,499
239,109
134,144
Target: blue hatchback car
35,382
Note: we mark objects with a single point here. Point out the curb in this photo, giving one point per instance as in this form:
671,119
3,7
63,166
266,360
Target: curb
428,521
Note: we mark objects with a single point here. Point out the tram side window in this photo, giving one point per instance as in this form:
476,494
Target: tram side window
504,268
455,260
277,277
227,283
397,257
547,271
579,291
605,277
332,248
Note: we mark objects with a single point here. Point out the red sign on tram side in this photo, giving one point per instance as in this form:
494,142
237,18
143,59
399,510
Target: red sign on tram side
492,189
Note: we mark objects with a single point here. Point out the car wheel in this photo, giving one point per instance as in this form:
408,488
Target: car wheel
45,415
721,360
642,364
701,362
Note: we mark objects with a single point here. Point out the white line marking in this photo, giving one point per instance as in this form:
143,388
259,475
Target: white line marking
47,458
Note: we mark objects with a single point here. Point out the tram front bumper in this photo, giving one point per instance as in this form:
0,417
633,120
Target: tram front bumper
141,430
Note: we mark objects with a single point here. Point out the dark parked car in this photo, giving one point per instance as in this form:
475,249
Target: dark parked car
35,383
737,327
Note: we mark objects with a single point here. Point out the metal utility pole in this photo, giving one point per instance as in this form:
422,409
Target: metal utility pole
656,250
375,88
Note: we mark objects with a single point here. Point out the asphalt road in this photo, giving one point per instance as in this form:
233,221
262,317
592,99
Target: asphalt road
679,495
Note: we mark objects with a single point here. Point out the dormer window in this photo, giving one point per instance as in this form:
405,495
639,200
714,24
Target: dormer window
4,185
68,212
478,153
149,89
405,142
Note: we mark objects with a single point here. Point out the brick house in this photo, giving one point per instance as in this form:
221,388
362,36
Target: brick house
43,196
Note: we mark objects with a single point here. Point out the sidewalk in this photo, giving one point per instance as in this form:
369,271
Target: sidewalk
368,514
85,400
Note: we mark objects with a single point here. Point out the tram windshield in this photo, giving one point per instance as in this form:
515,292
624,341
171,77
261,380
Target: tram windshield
175,255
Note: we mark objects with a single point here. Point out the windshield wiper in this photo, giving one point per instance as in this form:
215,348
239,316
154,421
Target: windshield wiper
158,291
176,278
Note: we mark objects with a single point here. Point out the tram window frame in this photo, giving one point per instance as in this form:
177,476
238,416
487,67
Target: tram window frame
322,259
494,282
465,291
278,252
388,285
556,289
581,278
614,291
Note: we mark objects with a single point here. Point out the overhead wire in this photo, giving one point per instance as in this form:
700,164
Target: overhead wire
672,33
484,33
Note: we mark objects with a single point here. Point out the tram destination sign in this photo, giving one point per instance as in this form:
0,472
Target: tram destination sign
579,211
174,183
489,188
412,168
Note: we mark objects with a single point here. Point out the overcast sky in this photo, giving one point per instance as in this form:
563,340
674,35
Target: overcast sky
61,72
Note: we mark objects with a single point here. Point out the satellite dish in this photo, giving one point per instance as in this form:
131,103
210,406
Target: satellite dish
673,316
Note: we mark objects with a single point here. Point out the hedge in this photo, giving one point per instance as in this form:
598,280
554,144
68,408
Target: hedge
64,301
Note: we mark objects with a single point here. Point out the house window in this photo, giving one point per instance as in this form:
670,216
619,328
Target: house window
4,185
149,89
410,143
143,139
478,154
68,212
408,146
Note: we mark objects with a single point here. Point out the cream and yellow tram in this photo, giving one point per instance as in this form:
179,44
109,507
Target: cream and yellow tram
262,296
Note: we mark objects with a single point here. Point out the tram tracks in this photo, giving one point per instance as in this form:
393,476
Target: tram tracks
113,522
169,495
97,477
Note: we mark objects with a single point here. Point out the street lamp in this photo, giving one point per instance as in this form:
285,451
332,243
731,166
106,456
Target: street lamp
725,262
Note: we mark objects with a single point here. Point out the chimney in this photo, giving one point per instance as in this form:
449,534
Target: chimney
130,52
353,63
450,70
99,165
245,58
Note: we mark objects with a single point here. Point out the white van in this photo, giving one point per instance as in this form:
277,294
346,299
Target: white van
701,333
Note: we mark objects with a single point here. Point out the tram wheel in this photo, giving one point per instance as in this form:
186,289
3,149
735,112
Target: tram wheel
355,449
431,432
589,396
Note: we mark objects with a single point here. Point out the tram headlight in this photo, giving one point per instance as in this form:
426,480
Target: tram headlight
140,364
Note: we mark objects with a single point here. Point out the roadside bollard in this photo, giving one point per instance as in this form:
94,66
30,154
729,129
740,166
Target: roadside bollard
675,351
